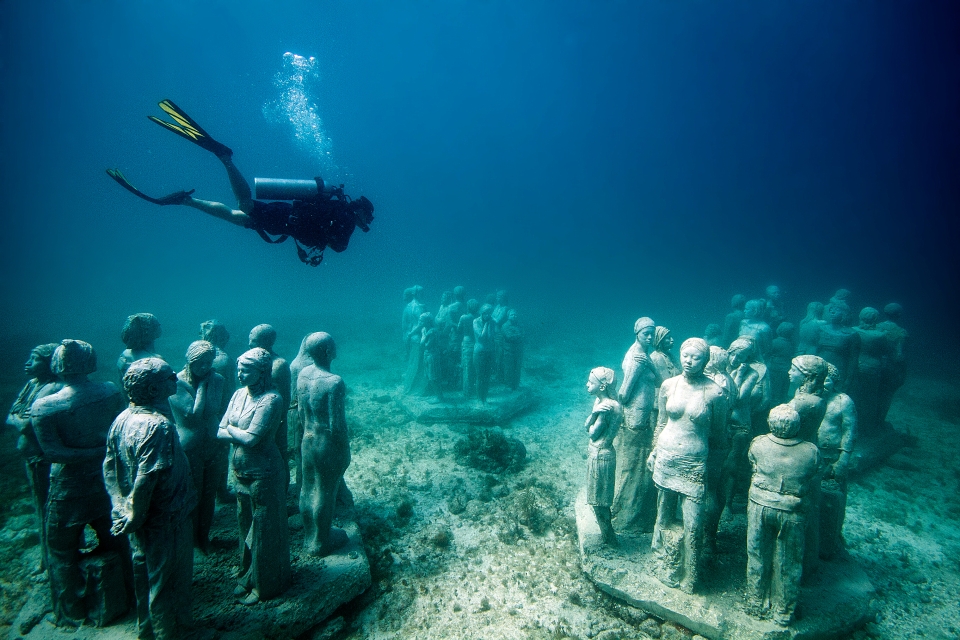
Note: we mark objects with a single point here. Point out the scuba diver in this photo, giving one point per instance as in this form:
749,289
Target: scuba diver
315,214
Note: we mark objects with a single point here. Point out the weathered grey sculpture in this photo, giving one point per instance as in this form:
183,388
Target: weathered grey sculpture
71,427
484,346
865,389
782,350
215,332
442,319
415,380
139,333
499,315
773,311
809,331
250,424
513,343
326,445
412,311
602,425
784,479
265,336
754,326
196,410
634,505
148,477
731,324
713,334
720,464
835,438
431,345
468,372
42,383
692,406
894,371
746,401
838,344
661,356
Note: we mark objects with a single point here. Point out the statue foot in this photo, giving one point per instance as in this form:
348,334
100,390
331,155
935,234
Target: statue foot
337,539
250,599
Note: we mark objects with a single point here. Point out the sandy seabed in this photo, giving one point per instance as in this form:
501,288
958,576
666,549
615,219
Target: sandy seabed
461,553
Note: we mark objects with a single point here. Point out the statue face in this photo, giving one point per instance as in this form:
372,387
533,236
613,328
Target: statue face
692,360
247,375
592,386
645,337
829,384
796,376
36,365
667,343
835,313
202,366
169,377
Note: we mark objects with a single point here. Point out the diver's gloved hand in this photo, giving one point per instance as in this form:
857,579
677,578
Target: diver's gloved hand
175,198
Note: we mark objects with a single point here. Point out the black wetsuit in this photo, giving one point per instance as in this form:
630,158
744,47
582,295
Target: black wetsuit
314,224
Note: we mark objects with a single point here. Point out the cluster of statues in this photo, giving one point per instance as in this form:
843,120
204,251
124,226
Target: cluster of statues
743,421
144,467
465,347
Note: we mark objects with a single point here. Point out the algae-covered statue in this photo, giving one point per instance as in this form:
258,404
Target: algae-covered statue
42,383
809,330
71,427
692,406
835,439
139,333
412,309
782,350
894,371
215,332
484,336
602,425
865,390
513,342
634,506
838,344
148,477
468,374
754,326
326,445
250,424
731,323
661,355
196,410
265,336
781,494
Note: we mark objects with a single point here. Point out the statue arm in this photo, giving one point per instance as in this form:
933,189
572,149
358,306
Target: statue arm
54,450
128,517
265,418
338,413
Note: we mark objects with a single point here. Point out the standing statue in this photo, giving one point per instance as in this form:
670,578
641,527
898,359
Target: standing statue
42,383
412,311
692,407
809,332
602,425
720,464
431,345
865,390
713,334
443,318
784,479
71,427
838,344
754,326
499,315
265,336
661,357
634,506
484,335
148,477
468,372
326,445
731,324
773,311
513,341
835,438
894,370
747,388
782,350
415,380
195,408
250,424
139,333
215,332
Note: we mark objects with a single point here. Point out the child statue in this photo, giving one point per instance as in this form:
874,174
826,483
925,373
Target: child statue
602,425
783,481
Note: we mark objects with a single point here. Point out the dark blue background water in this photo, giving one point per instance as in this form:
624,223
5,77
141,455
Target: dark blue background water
601,160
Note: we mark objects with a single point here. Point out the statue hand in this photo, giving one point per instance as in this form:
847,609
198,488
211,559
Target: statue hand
651,460
641,359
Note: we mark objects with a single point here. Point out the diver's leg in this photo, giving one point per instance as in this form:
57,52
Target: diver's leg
239,184
219,210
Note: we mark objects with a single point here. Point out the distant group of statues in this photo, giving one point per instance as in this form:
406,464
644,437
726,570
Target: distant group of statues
464,348
756,415
144,467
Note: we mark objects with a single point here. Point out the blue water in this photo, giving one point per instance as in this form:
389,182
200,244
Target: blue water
601,160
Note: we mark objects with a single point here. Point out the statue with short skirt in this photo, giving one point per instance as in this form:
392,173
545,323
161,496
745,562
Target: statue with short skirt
602,425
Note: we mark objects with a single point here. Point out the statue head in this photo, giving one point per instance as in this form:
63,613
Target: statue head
841,295
645,329
815,311
200,356
73,358
416,291
694,353
754,309
712,332
446,298
502,297
785,330
473,305
601,382
512,316
738,301
869,317
837,312
254,370
742,350
773,292
893,311
718,361
807,374
832,381
408,294
662,340
784,421
214,332
486,311
38,364
459,293
321,348
148,381
140,330
263,335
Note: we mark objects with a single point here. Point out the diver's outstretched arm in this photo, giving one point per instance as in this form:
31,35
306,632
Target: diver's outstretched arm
219,210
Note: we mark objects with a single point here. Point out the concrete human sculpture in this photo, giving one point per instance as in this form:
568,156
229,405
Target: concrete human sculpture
265,336
139,333
809,330
215,332
720,464
865,389
692,406
713,334
499,314
835,438
412,311
196,410
747,390
634,506
326,445
782,350
71,427
838,344
781,488
484,345
731,324
468,373
602,425
894,371
42,383
148,478
250,424
661,355
513,344
773,311
754,326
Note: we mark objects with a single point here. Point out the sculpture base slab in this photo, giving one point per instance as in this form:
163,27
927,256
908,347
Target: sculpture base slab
873,449
835,603
502,404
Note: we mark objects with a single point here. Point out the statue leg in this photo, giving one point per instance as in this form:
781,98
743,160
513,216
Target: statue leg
787,566
38,476
163,561
693,521
63,544
759,558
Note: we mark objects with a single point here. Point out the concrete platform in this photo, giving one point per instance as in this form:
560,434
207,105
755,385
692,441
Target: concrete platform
835,603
